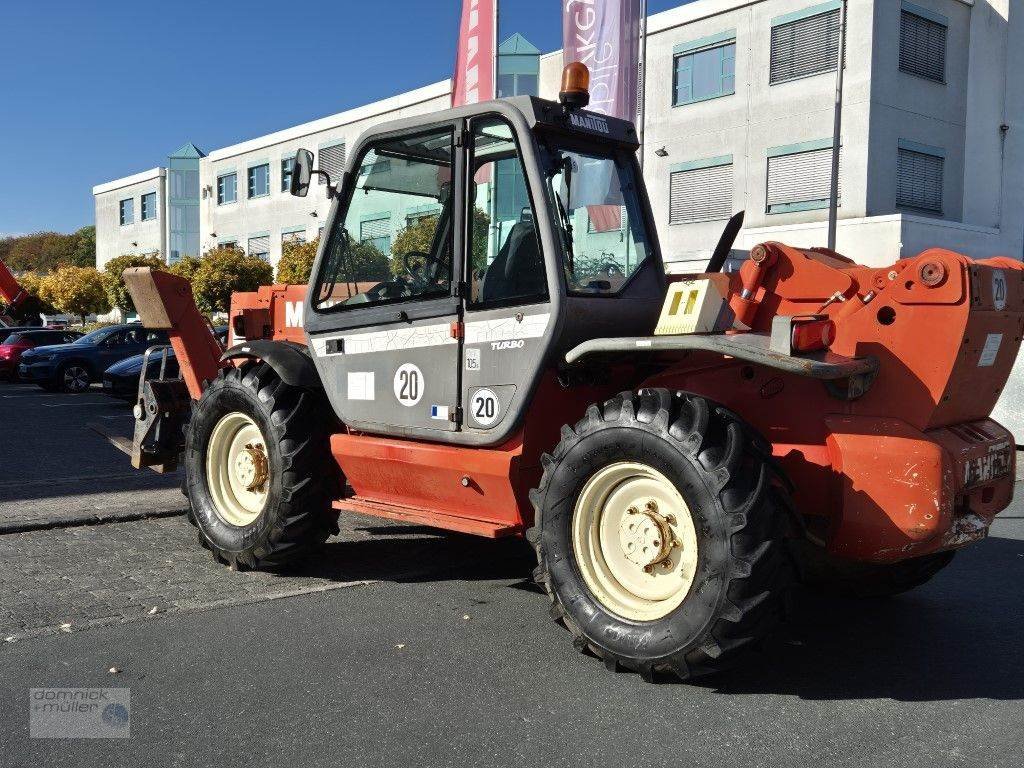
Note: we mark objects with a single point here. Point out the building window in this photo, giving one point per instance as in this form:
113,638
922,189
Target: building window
517,84
705,69
377,232
332,161
149,206
259,245
800,177
127,211
805,43
292,238
227,188
227,244
286,173
919,177
923,43
701,190
259,180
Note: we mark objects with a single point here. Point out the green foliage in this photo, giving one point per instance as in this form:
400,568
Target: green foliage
45,251
296,262
419,236
75,290
113,278
481,230
223,271
366,264
185,267
85,247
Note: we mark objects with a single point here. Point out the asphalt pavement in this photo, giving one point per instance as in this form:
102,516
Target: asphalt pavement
402,645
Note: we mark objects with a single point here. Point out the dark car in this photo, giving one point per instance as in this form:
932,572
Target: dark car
121,380
73,367
15,341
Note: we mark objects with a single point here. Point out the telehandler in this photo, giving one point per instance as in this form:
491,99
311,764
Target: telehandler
677,449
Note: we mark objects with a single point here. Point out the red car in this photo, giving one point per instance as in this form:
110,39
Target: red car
18,340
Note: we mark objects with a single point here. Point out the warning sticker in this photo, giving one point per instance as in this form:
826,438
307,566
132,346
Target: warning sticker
988,354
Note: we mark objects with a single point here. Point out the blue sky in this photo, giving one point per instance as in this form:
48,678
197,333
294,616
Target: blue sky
91,91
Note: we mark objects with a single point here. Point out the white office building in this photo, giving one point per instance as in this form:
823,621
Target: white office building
739,111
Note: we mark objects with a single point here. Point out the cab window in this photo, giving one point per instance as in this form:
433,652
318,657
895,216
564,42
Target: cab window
506,265
395,242
598,216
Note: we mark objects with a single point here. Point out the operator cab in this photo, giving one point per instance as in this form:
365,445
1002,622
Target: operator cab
467,250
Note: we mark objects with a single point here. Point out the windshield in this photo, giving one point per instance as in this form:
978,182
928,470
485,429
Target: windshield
93,338
598,214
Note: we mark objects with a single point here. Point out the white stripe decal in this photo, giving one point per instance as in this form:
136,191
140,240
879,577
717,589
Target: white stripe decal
383,341
478,331
507,328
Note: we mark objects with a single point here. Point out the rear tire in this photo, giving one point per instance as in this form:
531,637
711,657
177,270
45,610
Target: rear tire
73,378
720,478
258,470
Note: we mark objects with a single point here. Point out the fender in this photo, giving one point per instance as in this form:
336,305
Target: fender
289,360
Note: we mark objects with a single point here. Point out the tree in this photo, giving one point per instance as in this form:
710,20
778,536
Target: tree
296,262
75,290
185,267
223,271
419,236
113,278
365,264
84,254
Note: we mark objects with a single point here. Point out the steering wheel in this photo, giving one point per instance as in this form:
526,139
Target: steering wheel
410,258
426,269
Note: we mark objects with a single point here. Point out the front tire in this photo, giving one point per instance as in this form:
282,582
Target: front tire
257,469
634,471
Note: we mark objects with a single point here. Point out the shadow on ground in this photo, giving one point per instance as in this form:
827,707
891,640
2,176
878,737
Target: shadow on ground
957,637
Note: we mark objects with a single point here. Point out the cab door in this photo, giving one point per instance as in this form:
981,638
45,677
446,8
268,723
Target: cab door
383,312
508,314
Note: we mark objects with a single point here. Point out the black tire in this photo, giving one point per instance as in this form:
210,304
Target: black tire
722,470
832,576
297,516
72,378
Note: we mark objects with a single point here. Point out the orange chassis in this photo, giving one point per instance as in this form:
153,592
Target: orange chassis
910,467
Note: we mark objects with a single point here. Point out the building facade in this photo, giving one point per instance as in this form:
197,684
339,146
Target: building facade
131,215
739,110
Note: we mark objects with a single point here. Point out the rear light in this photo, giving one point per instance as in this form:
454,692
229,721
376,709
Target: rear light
5,352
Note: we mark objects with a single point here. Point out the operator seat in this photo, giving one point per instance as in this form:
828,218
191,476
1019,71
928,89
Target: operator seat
518,269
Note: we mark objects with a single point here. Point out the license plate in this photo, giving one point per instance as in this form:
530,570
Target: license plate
984,468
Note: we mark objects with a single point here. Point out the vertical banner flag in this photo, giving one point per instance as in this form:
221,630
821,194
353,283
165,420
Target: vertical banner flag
474,59
604,35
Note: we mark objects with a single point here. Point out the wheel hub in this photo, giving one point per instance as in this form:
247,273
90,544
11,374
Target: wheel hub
252,468
238,469
646,536
634,541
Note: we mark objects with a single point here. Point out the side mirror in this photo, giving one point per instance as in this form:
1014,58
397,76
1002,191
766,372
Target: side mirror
302,170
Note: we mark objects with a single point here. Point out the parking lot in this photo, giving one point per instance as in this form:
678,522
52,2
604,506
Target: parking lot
406,645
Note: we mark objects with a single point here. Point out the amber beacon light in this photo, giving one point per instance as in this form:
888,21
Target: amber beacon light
575,91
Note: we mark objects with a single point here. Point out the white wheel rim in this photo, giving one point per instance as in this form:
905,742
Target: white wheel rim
237,470
621,526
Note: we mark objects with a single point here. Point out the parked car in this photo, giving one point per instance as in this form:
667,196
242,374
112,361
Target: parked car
73,367
18,340
121,380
